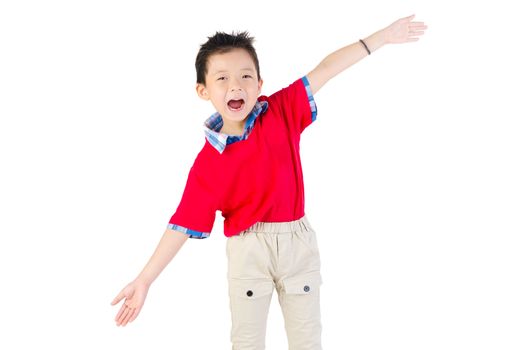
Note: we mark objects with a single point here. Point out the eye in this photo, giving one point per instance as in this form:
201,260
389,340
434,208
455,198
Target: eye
247,76
221,78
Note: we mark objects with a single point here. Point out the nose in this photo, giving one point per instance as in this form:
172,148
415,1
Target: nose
235,85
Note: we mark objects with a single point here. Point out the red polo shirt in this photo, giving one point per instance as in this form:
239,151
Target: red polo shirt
256,179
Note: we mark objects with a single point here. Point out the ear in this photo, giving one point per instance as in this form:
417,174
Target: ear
260,85
201,90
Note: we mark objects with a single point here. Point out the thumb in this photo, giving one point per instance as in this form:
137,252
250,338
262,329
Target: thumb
410,17
118,298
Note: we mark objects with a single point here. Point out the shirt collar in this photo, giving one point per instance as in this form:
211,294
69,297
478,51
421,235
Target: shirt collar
214,123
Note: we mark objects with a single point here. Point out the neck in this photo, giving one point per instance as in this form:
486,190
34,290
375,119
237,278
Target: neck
233,128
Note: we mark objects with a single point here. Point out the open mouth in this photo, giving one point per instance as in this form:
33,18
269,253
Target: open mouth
235,105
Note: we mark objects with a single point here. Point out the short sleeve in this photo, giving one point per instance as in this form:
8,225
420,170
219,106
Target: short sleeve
195,215
297,104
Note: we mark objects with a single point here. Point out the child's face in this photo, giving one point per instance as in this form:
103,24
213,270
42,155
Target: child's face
231,84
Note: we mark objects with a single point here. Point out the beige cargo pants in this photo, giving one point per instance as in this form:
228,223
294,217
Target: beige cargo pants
280,255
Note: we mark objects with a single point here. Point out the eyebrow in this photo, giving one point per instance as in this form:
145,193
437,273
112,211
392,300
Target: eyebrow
224,71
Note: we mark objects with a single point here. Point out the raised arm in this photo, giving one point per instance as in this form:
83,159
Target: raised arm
401,31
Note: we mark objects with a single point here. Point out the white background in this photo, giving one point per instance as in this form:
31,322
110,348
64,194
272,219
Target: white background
415,172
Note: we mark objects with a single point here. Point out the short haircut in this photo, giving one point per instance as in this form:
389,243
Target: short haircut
221,43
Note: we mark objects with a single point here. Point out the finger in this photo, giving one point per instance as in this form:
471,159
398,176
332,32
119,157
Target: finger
134,315
419,27
118,298
120,312
118,321
416,33
127,317
412,39
123,316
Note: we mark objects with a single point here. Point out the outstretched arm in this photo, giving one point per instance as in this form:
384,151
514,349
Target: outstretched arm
401,31
136,291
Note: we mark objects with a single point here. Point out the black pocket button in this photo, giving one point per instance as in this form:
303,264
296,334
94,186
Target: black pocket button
306,289
249,293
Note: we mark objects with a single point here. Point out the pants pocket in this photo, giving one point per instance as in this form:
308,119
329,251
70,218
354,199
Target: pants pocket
250,300
299,299
305,283
250,289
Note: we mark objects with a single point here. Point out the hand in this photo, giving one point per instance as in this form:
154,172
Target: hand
404,31
135,293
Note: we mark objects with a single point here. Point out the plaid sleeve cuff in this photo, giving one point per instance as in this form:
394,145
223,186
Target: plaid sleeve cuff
313,106
191,233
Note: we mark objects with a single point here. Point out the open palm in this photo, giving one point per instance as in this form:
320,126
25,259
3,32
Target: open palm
134,294
404,31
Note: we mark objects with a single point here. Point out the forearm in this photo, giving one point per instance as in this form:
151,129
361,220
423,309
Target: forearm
169,245
343,58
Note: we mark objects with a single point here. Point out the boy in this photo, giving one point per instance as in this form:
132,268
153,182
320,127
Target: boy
250,169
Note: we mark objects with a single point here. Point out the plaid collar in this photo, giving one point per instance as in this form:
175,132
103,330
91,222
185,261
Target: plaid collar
214,123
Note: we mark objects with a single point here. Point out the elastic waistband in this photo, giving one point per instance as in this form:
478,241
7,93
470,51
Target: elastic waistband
301,224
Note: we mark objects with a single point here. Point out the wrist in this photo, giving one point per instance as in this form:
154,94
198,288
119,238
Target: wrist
376,40
144,281
384,36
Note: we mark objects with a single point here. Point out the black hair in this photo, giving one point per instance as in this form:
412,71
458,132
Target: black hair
221,43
